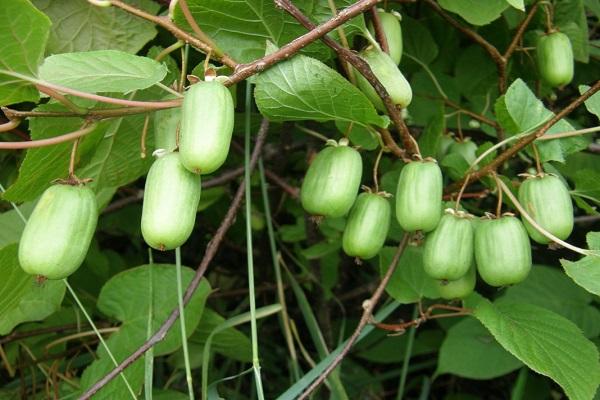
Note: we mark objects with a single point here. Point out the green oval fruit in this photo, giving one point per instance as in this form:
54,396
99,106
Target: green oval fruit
390,77
555,59
58,234
546,199
171,198
448,251
459,288
466,148
502,251
332,182
206,127
419,196
444,146
393,33
367,226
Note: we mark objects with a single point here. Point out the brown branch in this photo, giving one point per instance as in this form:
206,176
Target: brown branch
379,32
41,331
522,143
87,128
362,67
97,114
368,306
392,145
211,250
294,192
179,33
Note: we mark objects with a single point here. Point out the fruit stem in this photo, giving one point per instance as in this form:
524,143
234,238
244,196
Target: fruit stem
499,189
536,155
72,159
376,170
460,193
144,135
549,16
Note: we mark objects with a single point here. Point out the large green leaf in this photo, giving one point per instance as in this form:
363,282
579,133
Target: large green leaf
102,71
519,110
418,41
117,159
550,288
125,298
44,164
242,28
470,351
22,299
476,12
546,342
11,224
570,18
79,26
23,39
586,272
409,282
306,89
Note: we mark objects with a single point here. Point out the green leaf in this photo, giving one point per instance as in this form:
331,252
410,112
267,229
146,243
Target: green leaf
586,272
11,224
22,299
359,135
242,28
586,185
382,348
210,196
546,342
470,351
409,282
570,18
550,288
476,12
429,141
306,89
418,41
117,161
593,103
102,71
321,249
519,110
230,342
518,4
23,39
45,164
125,298
80,26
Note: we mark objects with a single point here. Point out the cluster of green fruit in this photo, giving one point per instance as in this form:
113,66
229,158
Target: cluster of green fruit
456,241
59,232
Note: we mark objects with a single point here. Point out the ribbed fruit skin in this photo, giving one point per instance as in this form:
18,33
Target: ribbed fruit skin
171,198
390,77
502,251
393,34
459,288
207,117
546,199
332,182
448,250
58,233
419,196
367,226
555,59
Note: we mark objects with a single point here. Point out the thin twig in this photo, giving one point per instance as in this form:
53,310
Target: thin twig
211,250
87,128
362,67
520,31
368,307
10,125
